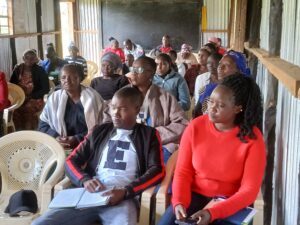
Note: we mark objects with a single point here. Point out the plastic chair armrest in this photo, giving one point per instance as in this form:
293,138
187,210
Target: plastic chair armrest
144,217
63,184
46,196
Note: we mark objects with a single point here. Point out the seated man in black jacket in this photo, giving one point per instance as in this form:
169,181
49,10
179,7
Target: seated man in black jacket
124,155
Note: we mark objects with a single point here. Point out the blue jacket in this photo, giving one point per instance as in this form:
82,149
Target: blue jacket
177,86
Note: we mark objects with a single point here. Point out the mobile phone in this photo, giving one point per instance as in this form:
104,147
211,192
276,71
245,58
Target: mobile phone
187,221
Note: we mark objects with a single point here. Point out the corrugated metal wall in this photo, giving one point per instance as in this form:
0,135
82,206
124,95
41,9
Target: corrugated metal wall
25,22
48,21
287,156
264,25
89,26
291,31
262,81
217,19
5,57
287,144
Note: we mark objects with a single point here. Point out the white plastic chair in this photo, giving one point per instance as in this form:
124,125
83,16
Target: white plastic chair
51,90
92,71
163,198
16,96
27,159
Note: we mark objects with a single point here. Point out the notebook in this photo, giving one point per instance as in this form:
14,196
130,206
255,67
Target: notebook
242,217
78,198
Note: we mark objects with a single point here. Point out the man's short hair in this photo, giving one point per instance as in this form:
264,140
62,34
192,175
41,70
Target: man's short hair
132,93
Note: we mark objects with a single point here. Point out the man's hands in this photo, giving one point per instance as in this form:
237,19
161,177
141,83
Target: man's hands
116,195
203,216
93,185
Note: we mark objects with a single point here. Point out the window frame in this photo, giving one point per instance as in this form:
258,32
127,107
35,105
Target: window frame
9,17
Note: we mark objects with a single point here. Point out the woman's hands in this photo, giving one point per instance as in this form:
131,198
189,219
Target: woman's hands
69,142
203,216
180,212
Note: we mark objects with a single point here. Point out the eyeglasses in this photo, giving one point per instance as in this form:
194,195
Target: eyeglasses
136,69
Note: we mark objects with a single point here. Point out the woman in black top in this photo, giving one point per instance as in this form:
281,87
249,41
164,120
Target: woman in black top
34,81
110,82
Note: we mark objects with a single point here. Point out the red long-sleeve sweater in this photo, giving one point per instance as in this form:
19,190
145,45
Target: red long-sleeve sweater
214,163
117,51
4,102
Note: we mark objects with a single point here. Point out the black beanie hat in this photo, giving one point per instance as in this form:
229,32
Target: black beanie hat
23,200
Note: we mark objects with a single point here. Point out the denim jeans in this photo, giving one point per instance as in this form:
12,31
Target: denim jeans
124,213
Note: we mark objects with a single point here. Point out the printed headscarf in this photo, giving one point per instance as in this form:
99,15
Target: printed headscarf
113,59
240,61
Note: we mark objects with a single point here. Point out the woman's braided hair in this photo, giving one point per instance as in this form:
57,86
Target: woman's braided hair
247,94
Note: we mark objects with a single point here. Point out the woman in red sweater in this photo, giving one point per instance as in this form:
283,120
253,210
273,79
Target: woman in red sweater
220,154
4,102
114,48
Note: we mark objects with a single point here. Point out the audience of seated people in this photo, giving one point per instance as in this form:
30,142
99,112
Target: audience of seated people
95,165
232,62
197,69
34,81
160,109
53,64
73,110
133,49
208,148
171,81
209,77
109,82
4,101
186,56
114,48
74,57
158,98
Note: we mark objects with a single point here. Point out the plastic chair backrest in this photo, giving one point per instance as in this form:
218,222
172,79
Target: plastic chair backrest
51,86
26,158
51,90
16,94
92,71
